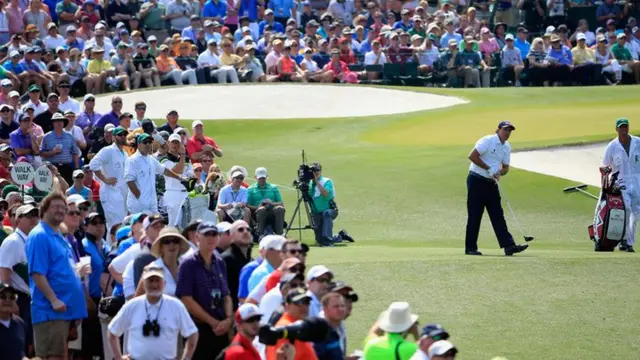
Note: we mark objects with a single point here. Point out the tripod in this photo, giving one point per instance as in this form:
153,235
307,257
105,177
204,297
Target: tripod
303,198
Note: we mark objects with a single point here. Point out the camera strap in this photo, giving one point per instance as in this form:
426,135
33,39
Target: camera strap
146,309
397,351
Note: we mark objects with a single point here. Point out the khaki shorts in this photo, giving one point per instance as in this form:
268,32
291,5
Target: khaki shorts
50,337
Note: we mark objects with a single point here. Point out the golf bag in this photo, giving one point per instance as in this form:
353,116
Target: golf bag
610,221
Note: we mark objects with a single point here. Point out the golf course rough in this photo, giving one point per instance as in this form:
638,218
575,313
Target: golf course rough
279,101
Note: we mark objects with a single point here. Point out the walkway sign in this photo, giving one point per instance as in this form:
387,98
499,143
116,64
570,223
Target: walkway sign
43,179
22,173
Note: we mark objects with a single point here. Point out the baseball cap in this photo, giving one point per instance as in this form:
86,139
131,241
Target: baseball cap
432,330
6,106
297,295
206,227
287,278
6,82
344,289
142,137
506,123
509,37
621,122
119,130
621,36
196,123
440,348
89,97
52,95
152,270
14,93
550,29
237,173
92,216
109,127
34,88
14,53
174,137
152,219
248,311
123,233
271,242
139,217
223,226
25,209
611,21
261,173
78,173
316,271
152,38
76,199
581,36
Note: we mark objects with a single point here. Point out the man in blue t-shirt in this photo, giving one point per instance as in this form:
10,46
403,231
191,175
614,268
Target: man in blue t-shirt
78,187
58,300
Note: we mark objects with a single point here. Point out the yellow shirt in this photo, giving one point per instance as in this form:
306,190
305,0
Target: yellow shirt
97,66
581,56
231,59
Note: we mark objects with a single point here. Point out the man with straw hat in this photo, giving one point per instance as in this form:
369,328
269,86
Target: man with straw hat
386,338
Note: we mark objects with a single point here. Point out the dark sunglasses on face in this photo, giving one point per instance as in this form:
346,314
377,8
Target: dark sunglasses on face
73,213
116,102
254,319
305,302
97,223
141,108
170,241
122,134
239,178
147,142
294,251
83,208
5,110
182,133
7,297
243,229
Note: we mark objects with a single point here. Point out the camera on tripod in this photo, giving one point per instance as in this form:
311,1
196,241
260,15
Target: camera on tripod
312,330
305,176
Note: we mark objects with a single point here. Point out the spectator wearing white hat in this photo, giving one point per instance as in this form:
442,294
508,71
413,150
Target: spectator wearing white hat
442,350
610,66
272,246
318,279
224,230
387,337
178,162
153,322
53,40
6,86
265,202
199,144
78,187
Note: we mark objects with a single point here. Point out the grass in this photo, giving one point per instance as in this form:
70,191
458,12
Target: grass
400,184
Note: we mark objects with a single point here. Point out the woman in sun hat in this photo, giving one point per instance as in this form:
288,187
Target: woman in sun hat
387,337
168,248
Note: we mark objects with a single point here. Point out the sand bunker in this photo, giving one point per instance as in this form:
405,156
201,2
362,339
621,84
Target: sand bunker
279,101
576,163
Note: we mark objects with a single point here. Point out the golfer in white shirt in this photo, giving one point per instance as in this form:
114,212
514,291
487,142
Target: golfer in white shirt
152,323
490,160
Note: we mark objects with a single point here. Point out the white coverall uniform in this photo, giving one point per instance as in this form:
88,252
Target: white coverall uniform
110,161
143,170
175,192
628,166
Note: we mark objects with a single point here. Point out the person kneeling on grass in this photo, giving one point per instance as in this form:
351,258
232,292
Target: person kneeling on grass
490,160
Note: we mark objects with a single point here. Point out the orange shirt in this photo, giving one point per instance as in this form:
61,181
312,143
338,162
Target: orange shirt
304,350
166,64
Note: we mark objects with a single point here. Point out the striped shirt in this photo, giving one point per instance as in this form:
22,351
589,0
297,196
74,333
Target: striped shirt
69,147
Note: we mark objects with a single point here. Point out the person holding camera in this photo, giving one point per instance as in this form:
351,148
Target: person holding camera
264,200
152,323
296,308
324,208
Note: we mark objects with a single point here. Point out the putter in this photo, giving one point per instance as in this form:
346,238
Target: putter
526,237
579,188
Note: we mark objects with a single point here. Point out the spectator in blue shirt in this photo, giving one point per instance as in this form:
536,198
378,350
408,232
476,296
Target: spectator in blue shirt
560,62
521,42
60,148
21,141
215,10
249,8
190,31
57,296
322,57
78,187
13,64
450,34
283,10
276,27
608,10
405,23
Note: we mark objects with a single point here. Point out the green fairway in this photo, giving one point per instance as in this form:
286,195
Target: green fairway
400,184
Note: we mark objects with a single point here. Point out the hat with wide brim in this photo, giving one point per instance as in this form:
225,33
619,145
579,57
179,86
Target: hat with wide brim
397,318
167,233
235,168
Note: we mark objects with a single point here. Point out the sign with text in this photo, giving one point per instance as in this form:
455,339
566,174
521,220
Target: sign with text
22,173
43,179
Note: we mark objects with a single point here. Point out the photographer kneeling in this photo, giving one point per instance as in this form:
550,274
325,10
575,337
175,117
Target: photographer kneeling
266,204
324,209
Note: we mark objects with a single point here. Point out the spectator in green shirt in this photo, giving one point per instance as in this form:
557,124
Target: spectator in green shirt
265,203
623,55
387,337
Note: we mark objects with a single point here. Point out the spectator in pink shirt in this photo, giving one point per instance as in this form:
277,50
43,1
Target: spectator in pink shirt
488,45
14,15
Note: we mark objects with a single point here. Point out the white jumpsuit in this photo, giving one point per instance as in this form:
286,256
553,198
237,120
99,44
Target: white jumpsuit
175,192
110,161
143,170
628,166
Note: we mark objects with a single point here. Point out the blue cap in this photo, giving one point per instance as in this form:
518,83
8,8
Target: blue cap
506,123
207,227
432,330
123,233
139,217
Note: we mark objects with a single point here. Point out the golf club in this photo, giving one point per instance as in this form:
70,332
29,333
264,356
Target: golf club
580,188
527,238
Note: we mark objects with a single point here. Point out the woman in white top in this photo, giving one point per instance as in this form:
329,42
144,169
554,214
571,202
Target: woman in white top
607,60
75,130
168,248
311,67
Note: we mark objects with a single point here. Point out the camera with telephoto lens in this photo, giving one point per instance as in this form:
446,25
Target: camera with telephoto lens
310,330
151,327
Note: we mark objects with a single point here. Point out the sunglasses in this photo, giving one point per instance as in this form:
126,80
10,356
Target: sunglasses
325,280
5,297
83,208
97,223
239,178
170,241
90,100
141,108
5,110
294,251
116,102
305,302
122,134
73,213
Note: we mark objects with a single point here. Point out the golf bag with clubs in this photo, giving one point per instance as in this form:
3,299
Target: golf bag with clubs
610,221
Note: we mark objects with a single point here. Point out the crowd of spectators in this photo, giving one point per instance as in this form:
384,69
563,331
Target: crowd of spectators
103,46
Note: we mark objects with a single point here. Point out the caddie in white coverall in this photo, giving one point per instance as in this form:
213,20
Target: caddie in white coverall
108,166
140,173
175,193
623,155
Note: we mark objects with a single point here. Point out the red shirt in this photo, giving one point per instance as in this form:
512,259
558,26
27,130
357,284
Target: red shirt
304,350
347,57
244,351
195,145
95,190
273,279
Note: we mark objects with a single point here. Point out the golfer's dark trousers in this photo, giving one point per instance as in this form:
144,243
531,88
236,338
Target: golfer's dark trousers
483,193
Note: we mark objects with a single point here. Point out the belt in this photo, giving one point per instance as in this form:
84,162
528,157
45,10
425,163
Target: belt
476,175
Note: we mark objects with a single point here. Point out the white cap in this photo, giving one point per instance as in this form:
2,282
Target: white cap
440,348
581,36
6,106
236,173
152,38
175,137
223,226
76,199
271,242
78,172
261,172
316,271
509,37
245,29
196,123
14,93
89,96
14,53
109,128
5,82
550,29
120,25
247,311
